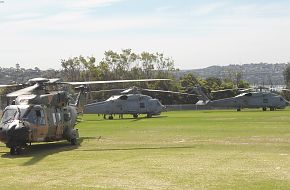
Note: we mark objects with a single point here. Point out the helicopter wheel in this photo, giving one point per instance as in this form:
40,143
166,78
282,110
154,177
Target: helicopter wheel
135,116
272,108
15,150
149,115
239,109
111,117
73,141
264,109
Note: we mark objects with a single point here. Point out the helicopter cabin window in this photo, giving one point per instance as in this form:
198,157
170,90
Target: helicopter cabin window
142,105
67,116
36,116
123,97
54,118
58,115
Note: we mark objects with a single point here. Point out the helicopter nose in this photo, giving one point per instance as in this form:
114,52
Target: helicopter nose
16,133
3,135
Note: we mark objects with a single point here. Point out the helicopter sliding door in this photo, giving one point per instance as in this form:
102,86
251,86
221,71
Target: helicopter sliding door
36,118
56,124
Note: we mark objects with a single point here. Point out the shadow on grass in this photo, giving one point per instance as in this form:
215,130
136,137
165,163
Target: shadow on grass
137,148
142,118
132,119
40,151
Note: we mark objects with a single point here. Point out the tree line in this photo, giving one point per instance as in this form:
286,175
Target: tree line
130,65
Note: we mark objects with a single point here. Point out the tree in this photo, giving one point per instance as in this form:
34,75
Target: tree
147,60
286,74
71,69
213,83
188,81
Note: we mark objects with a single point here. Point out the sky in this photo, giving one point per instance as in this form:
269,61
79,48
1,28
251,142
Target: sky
194,33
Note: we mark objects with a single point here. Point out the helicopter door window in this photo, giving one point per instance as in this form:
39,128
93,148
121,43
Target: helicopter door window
58,115
142,105
67,117
40,117
31,117
54,118
36,117
123,97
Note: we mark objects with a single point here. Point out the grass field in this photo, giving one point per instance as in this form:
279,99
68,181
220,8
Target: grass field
178,150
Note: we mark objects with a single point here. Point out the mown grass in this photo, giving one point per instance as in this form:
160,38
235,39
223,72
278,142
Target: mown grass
178,150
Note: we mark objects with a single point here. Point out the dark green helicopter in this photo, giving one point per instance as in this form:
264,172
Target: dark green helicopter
42,113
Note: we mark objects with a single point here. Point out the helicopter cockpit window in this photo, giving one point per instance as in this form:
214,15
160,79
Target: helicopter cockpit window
123,97
158,103
12,114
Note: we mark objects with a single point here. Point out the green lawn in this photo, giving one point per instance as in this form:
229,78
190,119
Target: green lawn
178,150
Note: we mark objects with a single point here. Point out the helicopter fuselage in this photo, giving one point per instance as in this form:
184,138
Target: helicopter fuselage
26,123
252,100
126,104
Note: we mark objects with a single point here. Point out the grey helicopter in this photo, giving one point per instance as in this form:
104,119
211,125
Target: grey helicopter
41,112
129,101
247,99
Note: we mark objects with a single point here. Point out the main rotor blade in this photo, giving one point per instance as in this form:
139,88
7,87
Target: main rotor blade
286,90
111,90
54,80
8,85
26,90
170,92
114,81
233,89
224,90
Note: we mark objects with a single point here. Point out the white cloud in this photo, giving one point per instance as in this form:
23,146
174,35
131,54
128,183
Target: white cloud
84,4
32,36
206,9
30,9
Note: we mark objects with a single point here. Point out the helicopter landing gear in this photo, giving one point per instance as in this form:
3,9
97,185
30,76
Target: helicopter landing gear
264,109
272,109
73,141
149,115
239,109
135,116
15,150
111,117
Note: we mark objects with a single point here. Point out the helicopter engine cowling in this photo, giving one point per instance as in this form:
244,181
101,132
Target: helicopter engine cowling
14,134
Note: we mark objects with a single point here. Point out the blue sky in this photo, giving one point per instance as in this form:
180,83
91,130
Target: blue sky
195,33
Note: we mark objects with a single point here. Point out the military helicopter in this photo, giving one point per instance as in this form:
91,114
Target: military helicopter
42,113
130,101
250,99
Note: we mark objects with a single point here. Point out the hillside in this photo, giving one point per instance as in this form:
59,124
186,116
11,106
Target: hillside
255,74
